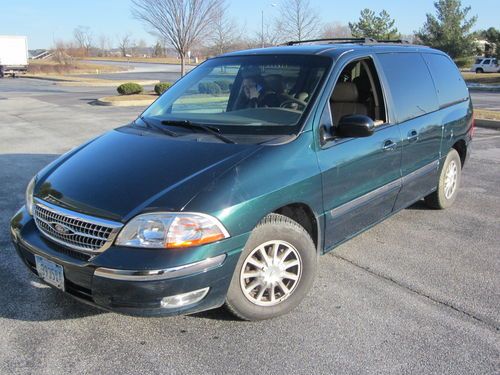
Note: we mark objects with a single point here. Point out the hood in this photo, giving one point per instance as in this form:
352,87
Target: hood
128,171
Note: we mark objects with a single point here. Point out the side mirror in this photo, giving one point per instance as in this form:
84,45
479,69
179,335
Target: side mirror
355,126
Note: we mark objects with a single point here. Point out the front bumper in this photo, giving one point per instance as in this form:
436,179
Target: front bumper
134,281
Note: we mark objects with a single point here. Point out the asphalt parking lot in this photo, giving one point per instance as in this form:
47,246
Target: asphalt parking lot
418,293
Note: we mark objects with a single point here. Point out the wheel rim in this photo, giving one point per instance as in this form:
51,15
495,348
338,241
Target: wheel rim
450,180
271,273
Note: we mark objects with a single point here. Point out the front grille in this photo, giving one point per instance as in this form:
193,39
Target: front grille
76,231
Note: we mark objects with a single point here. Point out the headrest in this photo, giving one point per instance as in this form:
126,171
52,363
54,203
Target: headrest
274,82
345,92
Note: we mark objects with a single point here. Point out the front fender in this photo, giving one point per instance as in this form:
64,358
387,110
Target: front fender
274,177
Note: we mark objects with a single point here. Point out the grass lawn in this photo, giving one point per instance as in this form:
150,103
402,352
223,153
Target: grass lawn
202,99
484,78
158,60
49,67
486,115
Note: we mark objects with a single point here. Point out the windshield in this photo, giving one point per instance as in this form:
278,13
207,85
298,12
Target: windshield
245,94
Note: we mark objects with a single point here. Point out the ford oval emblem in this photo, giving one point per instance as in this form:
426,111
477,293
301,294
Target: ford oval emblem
62,229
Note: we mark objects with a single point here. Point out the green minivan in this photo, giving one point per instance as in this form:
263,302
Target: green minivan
227,189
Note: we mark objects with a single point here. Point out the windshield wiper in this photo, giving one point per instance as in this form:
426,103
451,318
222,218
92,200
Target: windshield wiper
194,125
161,129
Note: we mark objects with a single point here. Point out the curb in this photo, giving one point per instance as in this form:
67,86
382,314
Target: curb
111,83
45,78
488,124
124,103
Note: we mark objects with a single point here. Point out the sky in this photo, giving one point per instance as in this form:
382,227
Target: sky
46,21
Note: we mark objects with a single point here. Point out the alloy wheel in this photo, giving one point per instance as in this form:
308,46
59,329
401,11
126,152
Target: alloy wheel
450,180
271,273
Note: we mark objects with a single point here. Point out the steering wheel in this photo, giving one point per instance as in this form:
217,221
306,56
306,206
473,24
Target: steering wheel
288,103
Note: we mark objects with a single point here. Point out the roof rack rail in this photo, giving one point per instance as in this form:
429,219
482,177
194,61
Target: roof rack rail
397,41
331,40
346,40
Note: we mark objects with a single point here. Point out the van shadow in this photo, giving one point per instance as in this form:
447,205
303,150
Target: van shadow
29,299
23,296
220,314
419,206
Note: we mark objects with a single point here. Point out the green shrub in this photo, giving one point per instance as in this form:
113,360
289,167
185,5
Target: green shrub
464,62
161,87
129,88
202,87
224,85
209,88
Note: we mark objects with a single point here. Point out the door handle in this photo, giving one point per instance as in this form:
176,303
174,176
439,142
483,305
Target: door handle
412,136
389,145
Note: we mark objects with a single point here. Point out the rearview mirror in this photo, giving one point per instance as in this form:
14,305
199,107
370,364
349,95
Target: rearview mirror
355,126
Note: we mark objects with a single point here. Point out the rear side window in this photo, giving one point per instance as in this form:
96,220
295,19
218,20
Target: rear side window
410,83
450,85
486,62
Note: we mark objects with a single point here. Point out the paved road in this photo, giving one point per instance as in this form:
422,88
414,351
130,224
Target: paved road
486,100
418,293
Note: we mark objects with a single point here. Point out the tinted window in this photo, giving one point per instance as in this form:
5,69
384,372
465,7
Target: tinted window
410,83
486,62
450,85
478,61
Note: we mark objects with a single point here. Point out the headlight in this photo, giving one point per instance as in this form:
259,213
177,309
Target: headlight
29,196
171,230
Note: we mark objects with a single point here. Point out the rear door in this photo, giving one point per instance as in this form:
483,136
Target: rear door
415,104
494,65
488,66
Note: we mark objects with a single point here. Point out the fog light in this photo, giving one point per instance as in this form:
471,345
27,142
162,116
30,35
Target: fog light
184,299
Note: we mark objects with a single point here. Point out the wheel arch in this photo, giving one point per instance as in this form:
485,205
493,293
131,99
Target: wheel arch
461,147
305,216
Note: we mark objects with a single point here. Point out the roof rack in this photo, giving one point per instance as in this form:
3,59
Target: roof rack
397,41
346,40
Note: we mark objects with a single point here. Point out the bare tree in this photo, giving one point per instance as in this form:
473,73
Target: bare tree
183,23
103,44
61,54
124,42
225,31
336,30
273,35
83,38
298,20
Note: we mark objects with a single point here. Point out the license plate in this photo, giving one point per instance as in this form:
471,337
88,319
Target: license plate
50,272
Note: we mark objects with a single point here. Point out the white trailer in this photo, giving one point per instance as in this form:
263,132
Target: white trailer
13,54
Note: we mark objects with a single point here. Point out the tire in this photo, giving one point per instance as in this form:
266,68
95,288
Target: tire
278,236
479,70
447,188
